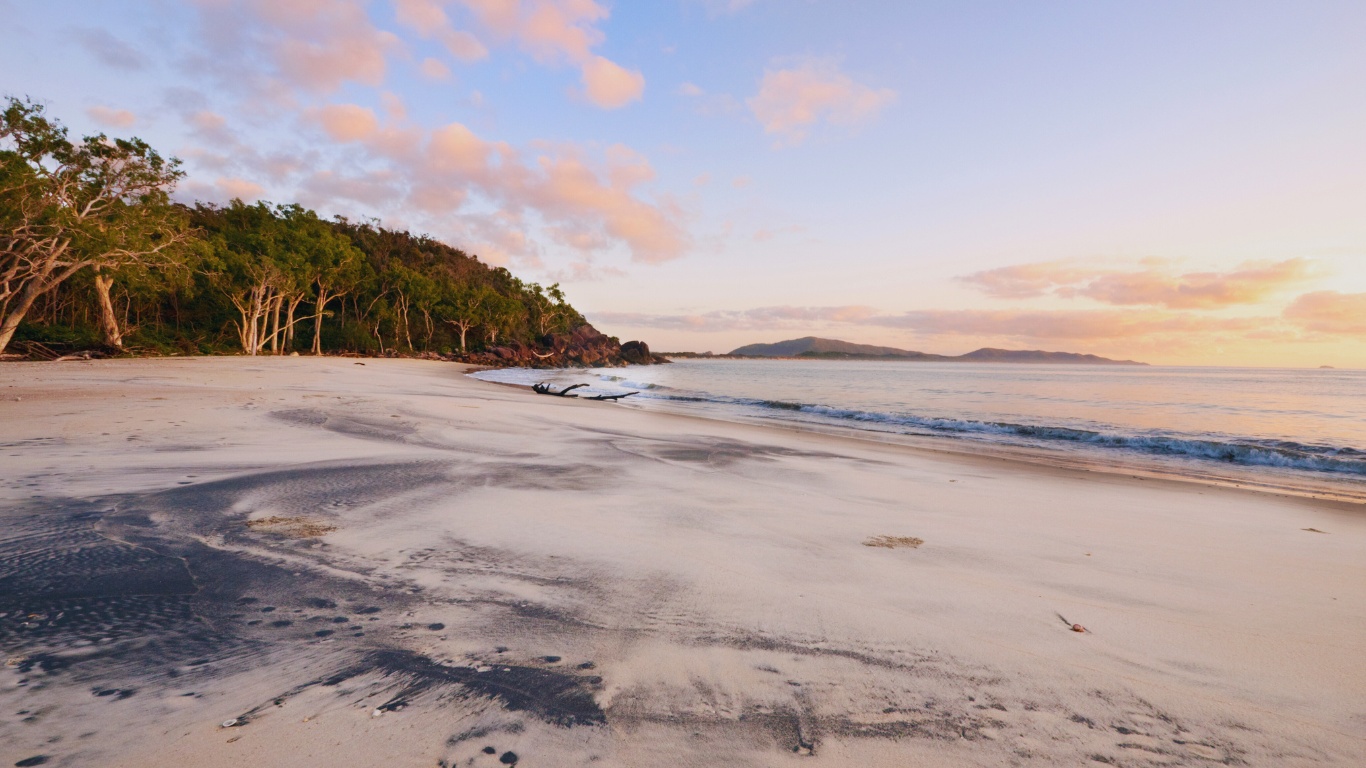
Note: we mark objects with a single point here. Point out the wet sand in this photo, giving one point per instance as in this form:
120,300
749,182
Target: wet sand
299,562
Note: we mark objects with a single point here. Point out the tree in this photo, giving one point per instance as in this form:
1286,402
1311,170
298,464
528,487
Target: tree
66,206
465,308
253,272
501,314
140,284
336,269
546,307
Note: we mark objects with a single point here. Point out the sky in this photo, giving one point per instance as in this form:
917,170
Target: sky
1174,182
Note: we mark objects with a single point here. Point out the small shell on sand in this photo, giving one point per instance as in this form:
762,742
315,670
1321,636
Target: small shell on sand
1078,628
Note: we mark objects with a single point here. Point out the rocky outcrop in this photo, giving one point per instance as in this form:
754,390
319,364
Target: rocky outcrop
637,353
583,347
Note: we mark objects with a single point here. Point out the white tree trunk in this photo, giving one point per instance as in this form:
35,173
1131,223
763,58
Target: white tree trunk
318,321
109,319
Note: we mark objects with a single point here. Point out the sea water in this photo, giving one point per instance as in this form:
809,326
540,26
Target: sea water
1301,429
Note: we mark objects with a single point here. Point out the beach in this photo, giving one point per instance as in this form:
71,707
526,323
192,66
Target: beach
336,561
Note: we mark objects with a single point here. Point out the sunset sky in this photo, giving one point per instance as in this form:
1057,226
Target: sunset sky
1177,182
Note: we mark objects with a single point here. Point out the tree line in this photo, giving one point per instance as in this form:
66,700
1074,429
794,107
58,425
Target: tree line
93,251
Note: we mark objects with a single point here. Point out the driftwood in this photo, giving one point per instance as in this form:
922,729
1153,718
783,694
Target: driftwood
38,350
544,389
88,354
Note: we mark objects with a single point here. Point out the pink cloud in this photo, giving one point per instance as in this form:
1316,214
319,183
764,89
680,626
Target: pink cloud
1063,325
549,30
375,188
313,45
1031,326
320,45
1156,285
394,108
759,318
239,188
446,177
554,31
1030,280
609,85
428,18
327,44
434,69
209,126
1329,312
792,100
113,118
578,200
347,122
422,15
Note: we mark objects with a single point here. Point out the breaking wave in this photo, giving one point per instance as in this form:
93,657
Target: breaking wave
1227,449
1247,452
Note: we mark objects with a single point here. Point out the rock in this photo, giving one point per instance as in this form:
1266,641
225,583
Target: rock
637,352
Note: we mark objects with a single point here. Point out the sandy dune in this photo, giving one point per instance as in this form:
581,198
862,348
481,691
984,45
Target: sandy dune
298,562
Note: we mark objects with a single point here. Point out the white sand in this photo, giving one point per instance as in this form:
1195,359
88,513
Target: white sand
714,574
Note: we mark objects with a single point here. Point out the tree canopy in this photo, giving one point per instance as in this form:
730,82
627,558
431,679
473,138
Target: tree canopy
93,251
99,205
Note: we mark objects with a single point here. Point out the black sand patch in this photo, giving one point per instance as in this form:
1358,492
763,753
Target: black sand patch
125,597
385,430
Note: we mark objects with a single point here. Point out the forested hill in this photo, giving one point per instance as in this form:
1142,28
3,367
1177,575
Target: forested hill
813,347
263,279
95,256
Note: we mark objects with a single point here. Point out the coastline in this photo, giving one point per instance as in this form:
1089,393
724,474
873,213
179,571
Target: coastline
713,574
1044,460
1324,485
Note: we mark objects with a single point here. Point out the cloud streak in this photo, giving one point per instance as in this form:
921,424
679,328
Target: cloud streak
110,50
1155,285
1330,313
585,201
1322,313
551,32
609,85
113,118
791,100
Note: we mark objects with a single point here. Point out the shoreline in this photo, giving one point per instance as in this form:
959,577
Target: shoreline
388,561
1322,487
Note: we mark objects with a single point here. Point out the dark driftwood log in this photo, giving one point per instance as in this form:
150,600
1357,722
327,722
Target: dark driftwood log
612,397
544,389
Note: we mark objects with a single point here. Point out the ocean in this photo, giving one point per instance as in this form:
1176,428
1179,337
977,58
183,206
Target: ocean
1298,430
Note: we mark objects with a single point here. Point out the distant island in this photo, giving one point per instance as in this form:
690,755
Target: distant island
811,347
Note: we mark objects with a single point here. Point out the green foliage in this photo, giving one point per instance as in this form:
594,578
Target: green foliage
382,290
92,247
71,206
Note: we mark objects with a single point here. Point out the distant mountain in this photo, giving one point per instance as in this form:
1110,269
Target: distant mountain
989,355
812,347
